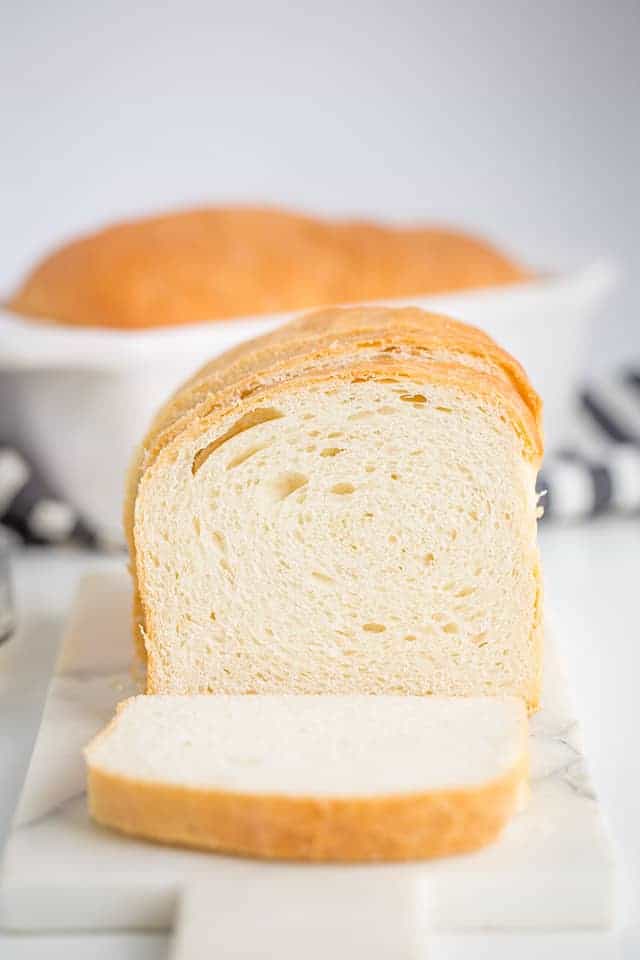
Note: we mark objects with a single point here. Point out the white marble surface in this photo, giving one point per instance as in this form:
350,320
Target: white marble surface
552,868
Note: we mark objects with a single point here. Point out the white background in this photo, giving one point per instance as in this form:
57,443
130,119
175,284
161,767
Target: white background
518,119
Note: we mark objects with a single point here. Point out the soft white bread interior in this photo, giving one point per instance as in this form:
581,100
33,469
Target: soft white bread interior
345,507
312,777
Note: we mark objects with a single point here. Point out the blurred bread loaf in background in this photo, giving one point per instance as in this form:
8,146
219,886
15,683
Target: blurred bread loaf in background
217,263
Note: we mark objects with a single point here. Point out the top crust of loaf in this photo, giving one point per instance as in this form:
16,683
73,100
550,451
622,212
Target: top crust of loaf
220,263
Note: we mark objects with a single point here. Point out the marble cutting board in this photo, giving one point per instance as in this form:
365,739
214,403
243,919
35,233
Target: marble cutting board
552,869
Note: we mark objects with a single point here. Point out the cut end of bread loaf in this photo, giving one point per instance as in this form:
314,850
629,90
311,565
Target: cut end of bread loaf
371,531
312,778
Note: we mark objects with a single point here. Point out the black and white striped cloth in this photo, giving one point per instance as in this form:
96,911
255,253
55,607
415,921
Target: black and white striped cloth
29,511
598,471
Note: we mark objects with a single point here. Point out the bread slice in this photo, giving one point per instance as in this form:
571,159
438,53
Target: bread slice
312,777
218,263
350,519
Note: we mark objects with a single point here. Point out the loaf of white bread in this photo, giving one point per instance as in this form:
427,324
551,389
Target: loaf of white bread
346,505
217,263
312,777
341,508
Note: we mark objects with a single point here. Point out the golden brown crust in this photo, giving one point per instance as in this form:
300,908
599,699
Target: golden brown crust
403,827
213,264
337,332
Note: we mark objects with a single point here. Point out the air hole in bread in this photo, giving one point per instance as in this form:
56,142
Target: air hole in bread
325,578
369,468
374,627
288,483
343,488
252,419
387,410
336,433
246,454
410,638
465,592
331,451
361,415
450,628
219,541
212,615
416,398
196,525
429,559
444,409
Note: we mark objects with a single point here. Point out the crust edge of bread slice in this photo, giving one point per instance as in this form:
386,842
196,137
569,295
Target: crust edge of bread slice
412,827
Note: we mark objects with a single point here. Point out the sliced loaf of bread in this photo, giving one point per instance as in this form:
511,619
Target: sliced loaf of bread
344,506
312,777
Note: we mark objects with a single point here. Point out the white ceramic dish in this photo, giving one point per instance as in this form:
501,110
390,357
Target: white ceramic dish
79,399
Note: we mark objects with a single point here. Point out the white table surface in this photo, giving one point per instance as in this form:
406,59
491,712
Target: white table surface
593,591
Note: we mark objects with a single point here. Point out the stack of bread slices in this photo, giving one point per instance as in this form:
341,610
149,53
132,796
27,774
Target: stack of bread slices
333,543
